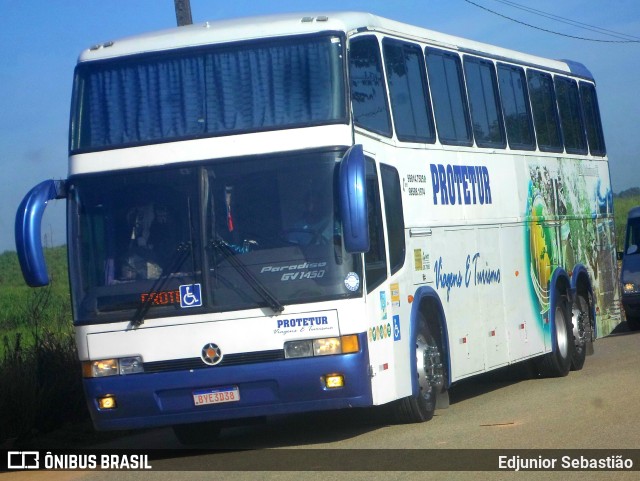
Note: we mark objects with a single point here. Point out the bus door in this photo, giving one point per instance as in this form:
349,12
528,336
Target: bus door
380,327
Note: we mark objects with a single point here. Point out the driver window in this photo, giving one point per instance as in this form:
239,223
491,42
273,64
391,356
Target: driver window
376,258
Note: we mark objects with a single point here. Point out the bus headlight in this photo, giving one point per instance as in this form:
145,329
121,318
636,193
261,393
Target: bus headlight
321,347
112,367
130,365
629,288
326,347
298,349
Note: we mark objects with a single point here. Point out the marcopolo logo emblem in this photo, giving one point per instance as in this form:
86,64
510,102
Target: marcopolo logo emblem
211,354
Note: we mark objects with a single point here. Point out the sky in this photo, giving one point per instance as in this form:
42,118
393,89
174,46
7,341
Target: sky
40,42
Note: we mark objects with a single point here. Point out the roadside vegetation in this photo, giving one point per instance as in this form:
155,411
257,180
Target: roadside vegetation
40,377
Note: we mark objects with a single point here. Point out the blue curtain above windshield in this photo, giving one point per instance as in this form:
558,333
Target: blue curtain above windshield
191,93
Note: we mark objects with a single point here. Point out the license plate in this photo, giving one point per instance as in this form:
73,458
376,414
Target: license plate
216,395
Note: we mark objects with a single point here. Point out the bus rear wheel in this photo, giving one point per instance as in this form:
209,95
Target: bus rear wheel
430,373
582,331
557,363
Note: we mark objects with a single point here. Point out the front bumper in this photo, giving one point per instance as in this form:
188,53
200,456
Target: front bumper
267,388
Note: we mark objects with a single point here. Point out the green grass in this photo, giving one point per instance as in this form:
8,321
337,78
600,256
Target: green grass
39,371
25,310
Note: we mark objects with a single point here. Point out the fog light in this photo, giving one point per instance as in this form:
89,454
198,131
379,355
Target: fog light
107,402
334,380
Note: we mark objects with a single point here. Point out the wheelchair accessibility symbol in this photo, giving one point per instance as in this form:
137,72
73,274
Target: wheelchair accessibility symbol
190,295
396,328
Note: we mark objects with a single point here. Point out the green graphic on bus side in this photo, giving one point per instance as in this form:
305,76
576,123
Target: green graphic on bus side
569,222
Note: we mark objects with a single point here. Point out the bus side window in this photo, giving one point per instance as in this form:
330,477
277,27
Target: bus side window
410,103
545,112
392,193
570,115
515,107
376,258
591,112
449,99
368,91
482,89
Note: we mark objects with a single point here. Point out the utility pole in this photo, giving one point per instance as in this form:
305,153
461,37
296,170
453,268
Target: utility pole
183,12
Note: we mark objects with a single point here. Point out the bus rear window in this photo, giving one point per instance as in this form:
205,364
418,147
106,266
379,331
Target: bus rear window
595,137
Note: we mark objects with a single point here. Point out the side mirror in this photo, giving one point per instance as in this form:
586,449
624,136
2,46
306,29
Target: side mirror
353,200
28,230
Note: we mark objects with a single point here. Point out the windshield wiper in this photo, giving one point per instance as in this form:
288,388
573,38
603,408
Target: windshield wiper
181,254
247,275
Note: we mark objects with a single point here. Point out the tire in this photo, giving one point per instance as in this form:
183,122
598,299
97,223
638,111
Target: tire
200,433
582,323
430,373
557,363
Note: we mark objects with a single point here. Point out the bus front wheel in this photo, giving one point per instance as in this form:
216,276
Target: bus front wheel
430,372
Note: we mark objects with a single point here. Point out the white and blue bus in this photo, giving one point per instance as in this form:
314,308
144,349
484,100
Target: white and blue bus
298,213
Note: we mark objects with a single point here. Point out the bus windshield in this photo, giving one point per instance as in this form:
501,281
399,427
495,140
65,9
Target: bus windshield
251,232
632,244
208,91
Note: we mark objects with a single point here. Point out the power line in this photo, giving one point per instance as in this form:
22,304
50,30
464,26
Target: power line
569,21
548,30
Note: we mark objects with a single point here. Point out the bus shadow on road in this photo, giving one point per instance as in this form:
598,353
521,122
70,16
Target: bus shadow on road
492,381
302,429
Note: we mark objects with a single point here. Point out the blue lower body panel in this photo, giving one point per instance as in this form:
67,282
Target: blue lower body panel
269,388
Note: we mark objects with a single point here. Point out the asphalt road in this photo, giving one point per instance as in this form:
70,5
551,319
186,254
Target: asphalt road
596,407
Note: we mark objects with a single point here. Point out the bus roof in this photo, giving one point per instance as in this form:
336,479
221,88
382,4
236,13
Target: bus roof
248,28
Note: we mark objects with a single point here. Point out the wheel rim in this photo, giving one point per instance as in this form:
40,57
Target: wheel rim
561,333
429,366
579,326
421,364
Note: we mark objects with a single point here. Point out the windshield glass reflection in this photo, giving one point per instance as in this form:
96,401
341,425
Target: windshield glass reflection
244,233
